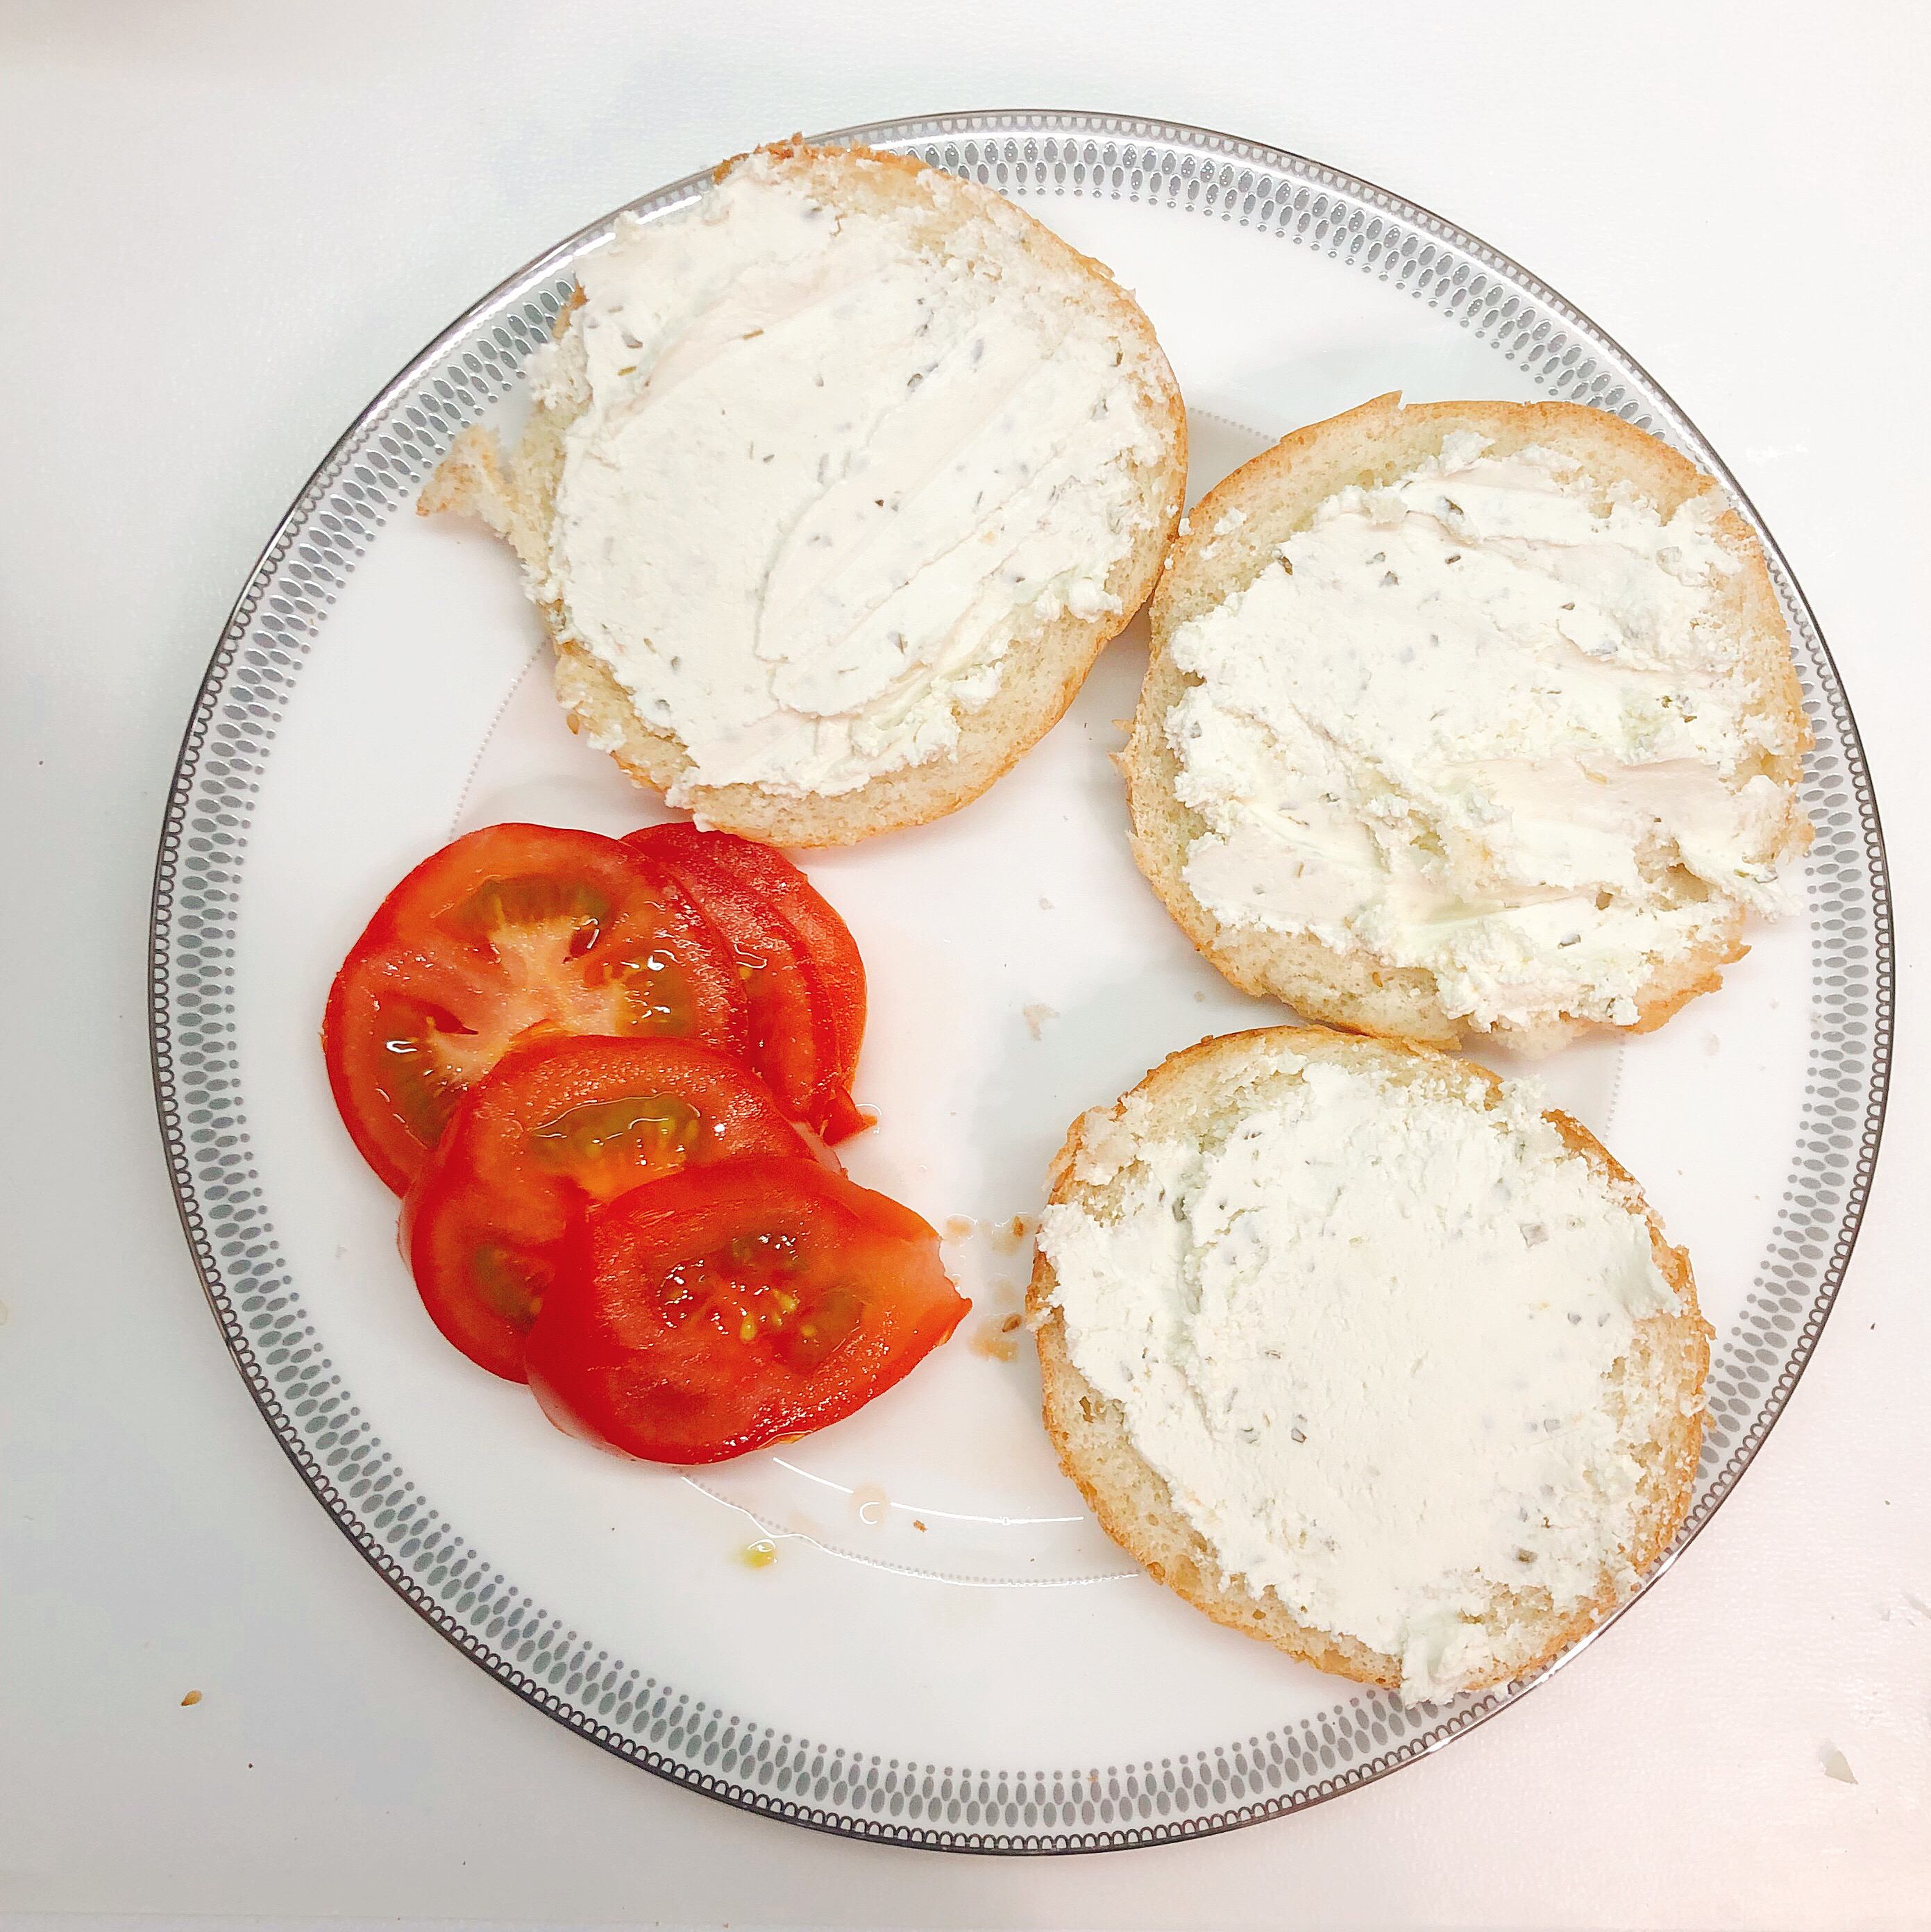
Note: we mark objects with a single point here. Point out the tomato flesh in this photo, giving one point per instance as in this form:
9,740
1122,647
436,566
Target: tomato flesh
711,1313
513,933
802,975
555,1127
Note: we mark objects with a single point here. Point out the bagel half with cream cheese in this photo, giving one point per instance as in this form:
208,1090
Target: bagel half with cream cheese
835,484
1366,1356
1469,718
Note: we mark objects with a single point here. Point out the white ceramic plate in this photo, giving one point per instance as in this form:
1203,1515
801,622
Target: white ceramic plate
946,1651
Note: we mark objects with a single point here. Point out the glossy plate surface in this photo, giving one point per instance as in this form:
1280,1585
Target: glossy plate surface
946,1651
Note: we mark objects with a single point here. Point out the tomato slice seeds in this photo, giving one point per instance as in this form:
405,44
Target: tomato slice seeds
513,933
554,1128
710,1313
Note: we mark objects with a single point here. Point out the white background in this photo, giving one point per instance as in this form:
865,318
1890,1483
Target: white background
222,228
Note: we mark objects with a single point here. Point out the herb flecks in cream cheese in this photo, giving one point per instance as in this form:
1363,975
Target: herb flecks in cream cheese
1479,722
1363,1336
827,466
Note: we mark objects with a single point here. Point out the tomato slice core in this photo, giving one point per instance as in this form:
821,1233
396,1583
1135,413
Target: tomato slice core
554,1128
513,933
713,1312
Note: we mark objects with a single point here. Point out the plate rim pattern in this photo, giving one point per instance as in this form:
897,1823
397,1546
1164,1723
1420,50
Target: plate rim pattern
688,1740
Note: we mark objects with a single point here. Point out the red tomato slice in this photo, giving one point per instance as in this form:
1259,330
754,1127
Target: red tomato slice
802,972
709,1313
515,932
553,1126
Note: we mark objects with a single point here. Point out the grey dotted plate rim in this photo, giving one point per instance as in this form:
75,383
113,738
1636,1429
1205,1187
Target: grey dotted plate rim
695,1742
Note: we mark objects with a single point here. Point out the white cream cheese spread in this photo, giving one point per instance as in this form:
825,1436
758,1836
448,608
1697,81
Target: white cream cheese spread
1363,1335
825,466
1482,722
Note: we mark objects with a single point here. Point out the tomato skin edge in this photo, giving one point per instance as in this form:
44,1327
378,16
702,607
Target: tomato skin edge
393,1177
844,1117
731,878
818,924
508,1364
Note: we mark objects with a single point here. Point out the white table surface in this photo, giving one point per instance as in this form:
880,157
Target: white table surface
223,227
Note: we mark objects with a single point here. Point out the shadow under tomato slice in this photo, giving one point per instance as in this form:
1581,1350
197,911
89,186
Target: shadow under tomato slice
801,966
554,1127
512,933
710,1313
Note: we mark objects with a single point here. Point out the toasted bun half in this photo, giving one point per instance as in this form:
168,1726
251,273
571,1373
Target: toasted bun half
1046,657
1654,1394
1235,533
